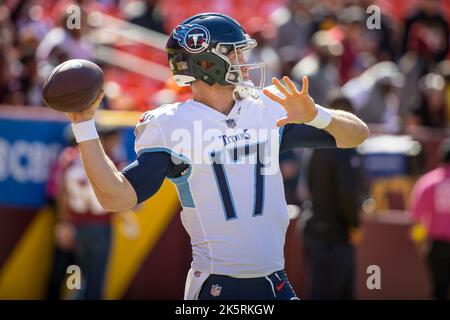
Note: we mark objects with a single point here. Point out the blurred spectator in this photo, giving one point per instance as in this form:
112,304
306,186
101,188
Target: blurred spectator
362,47
30,18
63,255
374,95
289,57
294,25
427,33
430,206
83,227
331,219
379,41
29,80
290,165
431,111
146,14
409,96
21,27
425,43
263,32
8,84
325,14
64,42
320,66
443,69
352,25
4,75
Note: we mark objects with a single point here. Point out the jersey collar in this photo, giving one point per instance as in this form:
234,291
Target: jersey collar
235,113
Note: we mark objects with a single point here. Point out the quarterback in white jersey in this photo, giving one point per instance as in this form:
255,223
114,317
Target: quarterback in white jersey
234,211
221,150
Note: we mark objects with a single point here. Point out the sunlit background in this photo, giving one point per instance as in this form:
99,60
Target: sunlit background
390,60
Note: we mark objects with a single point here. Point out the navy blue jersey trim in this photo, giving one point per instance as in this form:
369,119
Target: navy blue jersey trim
181,182
146,174
304,136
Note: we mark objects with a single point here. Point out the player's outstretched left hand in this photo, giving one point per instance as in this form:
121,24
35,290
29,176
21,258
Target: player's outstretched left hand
299,105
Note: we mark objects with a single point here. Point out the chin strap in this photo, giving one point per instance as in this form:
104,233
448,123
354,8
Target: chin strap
243,91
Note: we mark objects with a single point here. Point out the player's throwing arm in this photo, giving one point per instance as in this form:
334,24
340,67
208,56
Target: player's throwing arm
112,189
75,87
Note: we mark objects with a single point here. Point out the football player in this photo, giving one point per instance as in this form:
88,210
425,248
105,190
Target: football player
221,151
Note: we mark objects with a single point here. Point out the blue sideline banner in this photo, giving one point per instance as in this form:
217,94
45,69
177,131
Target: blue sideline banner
30,142
28,150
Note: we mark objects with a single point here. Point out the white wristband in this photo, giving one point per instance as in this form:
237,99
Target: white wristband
84,131
322,119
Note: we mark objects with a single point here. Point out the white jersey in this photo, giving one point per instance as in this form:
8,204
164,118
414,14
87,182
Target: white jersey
234,207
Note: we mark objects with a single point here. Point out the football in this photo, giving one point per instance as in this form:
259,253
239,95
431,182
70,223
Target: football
73,85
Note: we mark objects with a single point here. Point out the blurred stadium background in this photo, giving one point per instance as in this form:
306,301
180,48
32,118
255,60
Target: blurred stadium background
397,77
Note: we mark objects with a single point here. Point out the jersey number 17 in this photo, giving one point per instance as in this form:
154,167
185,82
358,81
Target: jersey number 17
235,155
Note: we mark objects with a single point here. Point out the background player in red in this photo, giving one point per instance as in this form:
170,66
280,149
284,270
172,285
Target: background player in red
83,227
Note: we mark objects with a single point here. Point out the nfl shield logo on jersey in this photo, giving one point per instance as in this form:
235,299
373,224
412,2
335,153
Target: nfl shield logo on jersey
215,290
231,123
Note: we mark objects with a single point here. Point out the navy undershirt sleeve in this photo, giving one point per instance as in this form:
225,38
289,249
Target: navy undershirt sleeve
146,174
305,136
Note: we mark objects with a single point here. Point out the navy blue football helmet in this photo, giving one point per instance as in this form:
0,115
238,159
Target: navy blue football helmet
210,38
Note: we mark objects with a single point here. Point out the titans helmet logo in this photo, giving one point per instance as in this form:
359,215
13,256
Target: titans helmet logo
193,37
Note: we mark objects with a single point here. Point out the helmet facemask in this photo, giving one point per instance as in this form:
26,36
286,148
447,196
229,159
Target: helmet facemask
244,84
